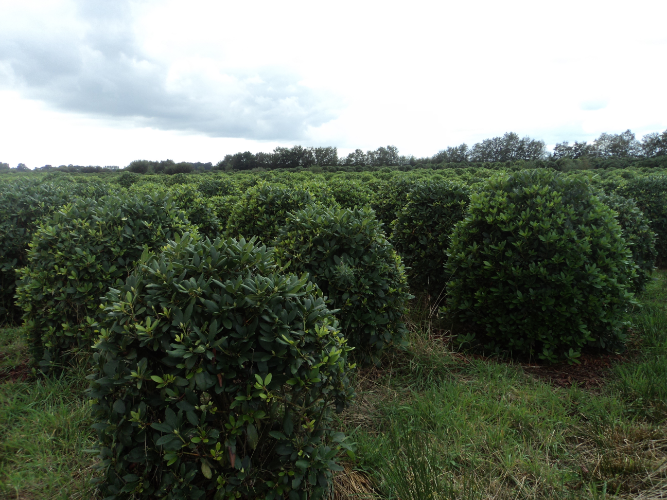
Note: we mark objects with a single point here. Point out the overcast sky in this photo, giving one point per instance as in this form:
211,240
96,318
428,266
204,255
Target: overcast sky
104,82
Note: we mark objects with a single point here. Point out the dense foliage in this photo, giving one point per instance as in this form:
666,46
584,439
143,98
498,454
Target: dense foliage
263,209
217,377
390,197
75,256
22,204
347,254
637,234
650,194
422,232
200,209
540,265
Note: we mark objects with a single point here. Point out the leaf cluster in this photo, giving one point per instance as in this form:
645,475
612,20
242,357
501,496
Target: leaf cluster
637,234
650,195
390,197
263,209
22,204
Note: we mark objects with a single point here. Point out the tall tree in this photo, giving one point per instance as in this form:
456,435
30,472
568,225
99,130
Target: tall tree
617,145
654,144
325,156
509,147
452,154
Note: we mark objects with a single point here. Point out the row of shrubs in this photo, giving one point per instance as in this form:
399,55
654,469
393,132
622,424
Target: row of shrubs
421,233
218,363
209,200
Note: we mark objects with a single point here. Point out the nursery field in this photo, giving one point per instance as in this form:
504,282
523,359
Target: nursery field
430,420
488,331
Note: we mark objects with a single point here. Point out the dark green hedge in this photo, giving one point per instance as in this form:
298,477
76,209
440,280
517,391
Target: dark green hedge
23,203
637,234
263,209
650,194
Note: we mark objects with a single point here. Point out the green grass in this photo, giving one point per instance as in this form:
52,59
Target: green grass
44,431
430,423
437,424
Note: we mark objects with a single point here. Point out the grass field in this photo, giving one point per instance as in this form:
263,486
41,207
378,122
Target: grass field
431,423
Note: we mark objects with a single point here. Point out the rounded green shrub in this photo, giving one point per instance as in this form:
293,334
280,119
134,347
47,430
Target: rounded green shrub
540,264
390,197
423,229
23,203
650,194
263,209
350,193
218,185
217,377
637,235
347,255
200,210
223,207
75,256
127,179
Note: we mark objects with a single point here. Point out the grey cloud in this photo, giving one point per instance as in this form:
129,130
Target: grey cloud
104,73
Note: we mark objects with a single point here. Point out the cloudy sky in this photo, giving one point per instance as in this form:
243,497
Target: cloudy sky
104,82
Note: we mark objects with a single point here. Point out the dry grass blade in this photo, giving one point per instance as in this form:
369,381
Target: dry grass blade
350,484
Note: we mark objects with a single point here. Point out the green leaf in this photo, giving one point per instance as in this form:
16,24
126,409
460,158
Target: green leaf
206,469
253,437
119,406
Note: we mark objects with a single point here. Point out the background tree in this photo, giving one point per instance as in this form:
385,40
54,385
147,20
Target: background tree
452,154
356,158
138,166
617,145
383,157
325,156
654,144
577,150
509,147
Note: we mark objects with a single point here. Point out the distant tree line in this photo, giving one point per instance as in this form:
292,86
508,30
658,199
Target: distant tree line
21,167
167,167
507,148
623,145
